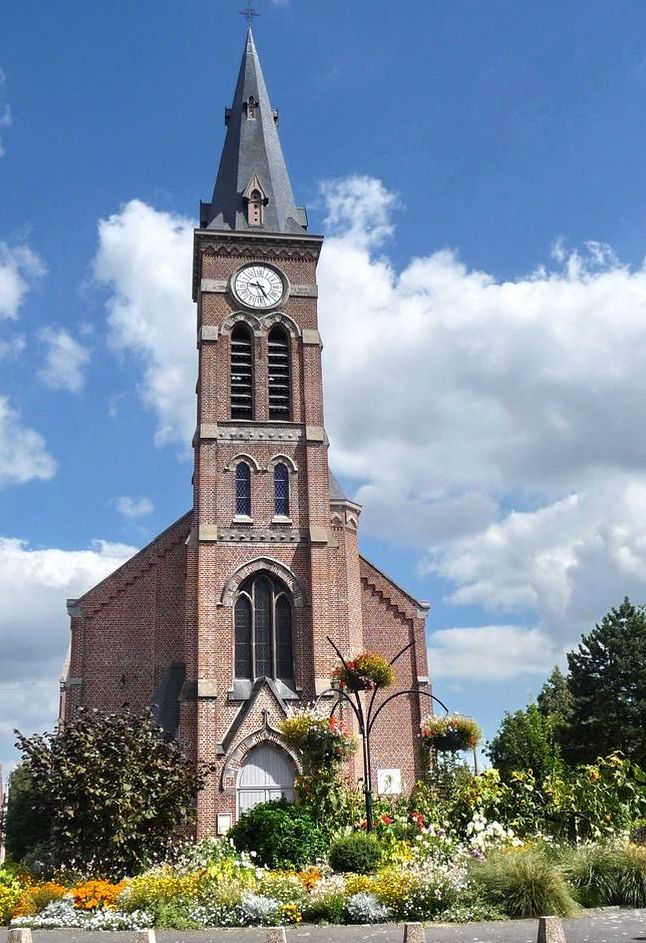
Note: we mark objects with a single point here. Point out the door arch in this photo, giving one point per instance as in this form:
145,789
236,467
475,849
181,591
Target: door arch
266,773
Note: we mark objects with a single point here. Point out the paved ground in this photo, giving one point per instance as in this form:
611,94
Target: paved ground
600,926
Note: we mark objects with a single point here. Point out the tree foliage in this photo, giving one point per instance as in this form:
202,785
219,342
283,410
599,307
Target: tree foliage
116,789
555,699
525,741
607,681
27,826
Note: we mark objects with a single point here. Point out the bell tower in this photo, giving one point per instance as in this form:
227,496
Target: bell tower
261,483
222,621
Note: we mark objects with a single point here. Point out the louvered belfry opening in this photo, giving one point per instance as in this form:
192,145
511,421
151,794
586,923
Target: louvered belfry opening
279,398
241,373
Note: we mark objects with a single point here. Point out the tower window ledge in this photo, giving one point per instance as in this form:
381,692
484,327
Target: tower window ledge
242,519
281,519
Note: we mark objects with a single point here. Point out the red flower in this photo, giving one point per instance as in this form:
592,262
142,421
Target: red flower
386,819
418,819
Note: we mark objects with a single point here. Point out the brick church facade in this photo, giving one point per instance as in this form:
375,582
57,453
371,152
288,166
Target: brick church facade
222,621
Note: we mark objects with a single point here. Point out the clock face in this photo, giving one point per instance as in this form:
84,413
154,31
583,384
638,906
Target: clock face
258,286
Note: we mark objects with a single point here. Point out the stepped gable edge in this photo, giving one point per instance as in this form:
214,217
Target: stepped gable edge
129,572
390,593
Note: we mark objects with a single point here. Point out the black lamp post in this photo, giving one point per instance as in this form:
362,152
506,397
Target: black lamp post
366,718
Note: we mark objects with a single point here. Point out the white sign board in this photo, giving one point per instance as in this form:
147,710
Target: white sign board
224,823
389,782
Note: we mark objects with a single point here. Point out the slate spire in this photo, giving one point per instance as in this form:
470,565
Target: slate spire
252,166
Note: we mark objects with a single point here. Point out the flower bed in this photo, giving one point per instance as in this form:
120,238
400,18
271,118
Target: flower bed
450,733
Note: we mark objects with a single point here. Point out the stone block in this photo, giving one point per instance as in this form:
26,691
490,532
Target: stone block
276,935
145,936
550,930
414,933
21,935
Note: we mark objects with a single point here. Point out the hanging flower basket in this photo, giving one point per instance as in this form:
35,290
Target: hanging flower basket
364,673
322,740
451,733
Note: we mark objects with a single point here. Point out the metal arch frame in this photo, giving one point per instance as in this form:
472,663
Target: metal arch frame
367,719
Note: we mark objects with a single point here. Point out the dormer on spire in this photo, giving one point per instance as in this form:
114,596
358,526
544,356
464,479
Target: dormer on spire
255,199
252,150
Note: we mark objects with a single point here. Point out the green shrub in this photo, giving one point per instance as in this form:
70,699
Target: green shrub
282,834
358,853
524,884
607,875
325,908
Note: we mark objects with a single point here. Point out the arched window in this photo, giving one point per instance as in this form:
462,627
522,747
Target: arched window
279,381
254,208
281,490
241,373
243,489
263,629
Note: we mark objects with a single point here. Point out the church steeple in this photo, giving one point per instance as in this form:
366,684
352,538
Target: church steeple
252,190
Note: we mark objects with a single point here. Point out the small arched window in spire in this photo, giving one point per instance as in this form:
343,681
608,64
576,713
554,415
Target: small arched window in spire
243,490
241,373
279,374
281,490
251,105
255,208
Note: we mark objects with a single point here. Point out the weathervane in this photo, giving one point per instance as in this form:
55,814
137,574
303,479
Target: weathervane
250,13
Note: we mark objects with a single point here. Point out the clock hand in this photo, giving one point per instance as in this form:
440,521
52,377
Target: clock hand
258,285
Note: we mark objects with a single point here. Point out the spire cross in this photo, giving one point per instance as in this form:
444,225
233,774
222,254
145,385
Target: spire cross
249,12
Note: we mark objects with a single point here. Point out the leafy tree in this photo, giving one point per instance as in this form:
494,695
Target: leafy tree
525,741
116,789
607,682
555,698
27,827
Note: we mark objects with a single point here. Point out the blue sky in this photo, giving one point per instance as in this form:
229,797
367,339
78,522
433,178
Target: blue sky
479,171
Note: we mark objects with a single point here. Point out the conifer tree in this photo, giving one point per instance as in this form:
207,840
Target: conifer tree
607,682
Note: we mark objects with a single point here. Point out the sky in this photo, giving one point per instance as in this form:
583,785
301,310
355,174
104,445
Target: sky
478,171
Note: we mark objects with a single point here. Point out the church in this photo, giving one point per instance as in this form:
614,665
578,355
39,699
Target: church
222,622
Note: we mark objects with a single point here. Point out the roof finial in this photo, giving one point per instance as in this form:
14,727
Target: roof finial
250,13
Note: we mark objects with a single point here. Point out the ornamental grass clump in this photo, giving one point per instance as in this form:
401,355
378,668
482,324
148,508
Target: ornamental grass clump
607,875
450,733
364,673
524,883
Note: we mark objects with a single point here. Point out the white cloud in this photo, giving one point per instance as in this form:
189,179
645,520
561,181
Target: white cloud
23,455
133,508
495,424
19,267
34,626
13,347
491,653
65,360
144,259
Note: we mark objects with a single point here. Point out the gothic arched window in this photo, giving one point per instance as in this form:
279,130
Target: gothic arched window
241,373
279,379
281,490
263,629
243,489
